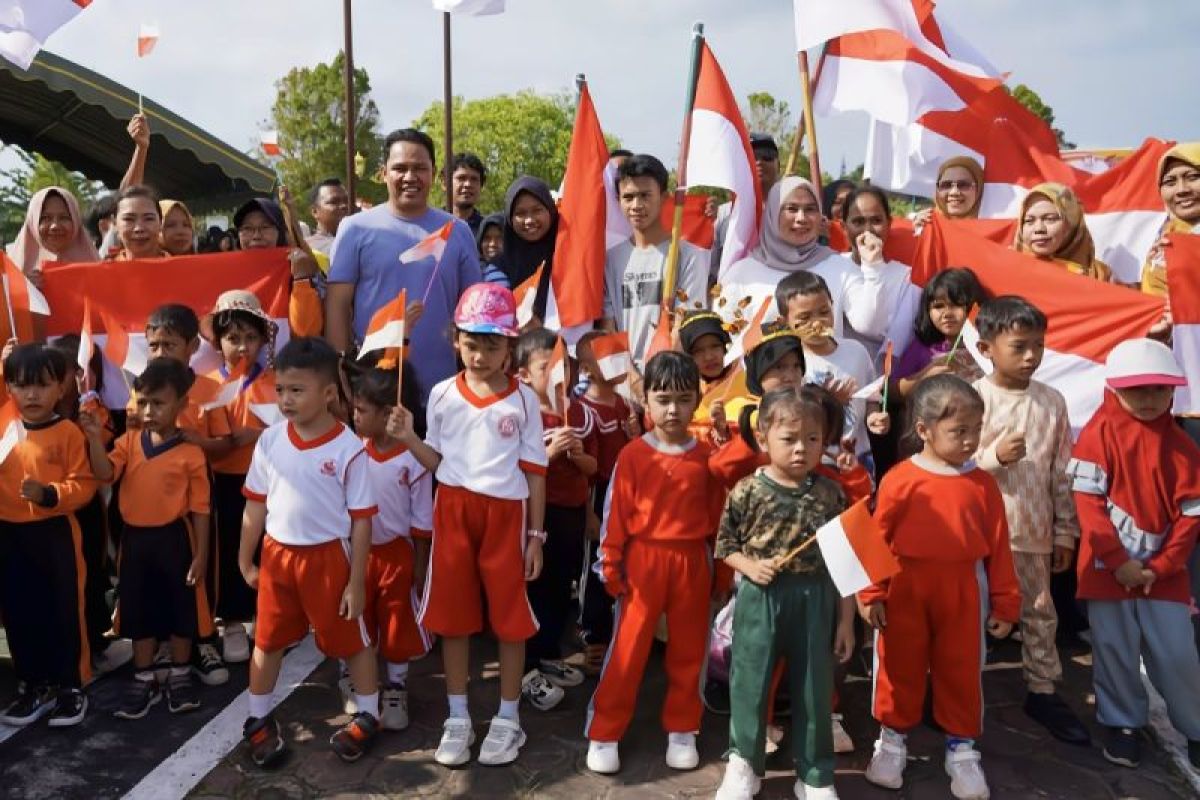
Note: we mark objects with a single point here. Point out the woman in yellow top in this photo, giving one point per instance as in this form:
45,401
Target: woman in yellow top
1050,226
1179,186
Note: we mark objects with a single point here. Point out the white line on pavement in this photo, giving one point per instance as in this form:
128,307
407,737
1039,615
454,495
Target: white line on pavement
1168,738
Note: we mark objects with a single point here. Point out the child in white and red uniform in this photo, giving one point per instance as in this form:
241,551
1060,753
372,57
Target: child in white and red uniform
1138,495
944,519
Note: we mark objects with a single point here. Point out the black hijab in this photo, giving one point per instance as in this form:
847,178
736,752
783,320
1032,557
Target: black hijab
520,258
270,210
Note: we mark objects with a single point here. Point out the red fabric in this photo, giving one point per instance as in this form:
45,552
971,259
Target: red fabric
697,226
838,240
856,484
1151,471
389,612
736,459
1183,277
610,433
565,484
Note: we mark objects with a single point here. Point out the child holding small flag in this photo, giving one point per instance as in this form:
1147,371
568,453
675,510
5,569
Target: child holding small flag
944,519
702,336
946,301
1026,446
571,447
785,607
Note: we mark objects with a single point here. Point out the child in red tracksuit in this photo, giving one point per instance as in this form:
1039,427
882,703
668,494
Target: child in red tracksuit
944,519
655,559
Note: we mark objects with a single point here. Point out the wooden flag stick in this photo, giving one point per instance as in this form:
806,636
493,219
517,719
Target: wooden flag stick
810,127
671,268
12,319
796,551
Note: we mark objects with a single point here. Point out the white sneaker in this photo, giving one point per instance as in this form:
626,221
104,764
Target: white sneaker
393,708
118,653
560,673
773,738
842,743
346,689
805,792
503,743
966,773
887,765
603,758
235,643
740,782
540,692
454,749
681,751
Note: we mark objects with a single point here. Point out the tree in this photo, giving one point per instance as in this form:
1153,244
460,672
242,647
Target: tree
513,134
764,114
310,115
1033,101
33,174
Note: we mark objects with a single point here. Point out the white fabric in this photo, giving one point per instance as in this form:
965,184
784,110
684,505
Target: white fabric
470,8
849,360
310,491
843,563
404,492
1186,342
483,446
901,301
905,158
26,24
717,157
894,92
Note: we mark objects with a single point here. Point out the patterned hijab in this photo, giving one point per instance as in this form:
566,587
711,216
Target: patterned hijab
771,249
970,165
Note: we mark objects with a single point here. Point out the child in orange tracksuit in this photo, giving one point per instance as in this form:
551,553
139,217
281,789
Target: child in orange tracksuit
655,559
944,519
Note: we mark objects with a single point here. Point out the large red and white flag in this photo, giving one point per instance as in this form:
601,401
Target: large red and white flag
576,297
22,300
432,245
611,352
26,24
147,39
12,430
470,8
120,349
719,154
1087,318
854,550
1183,278
386,328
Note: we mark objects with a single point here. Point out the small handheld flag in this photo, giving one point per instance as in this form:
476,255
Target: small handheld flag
12,430
969,321
526,295
559,370
386,328
147,39
611,352
270,144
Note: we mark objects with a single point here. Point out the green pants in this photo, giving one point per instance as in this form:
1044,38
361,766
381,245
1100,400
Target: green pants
789,619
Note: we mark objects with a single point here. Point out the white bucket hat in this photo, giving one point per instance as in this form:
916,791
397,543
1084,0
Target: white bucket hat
1142,362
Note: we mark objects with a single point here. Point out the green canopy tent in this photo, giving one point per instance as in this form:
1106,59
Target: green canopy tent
73,115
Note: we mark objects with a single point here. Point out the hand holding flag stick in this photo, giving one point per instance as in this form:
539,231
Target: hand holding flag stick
958,339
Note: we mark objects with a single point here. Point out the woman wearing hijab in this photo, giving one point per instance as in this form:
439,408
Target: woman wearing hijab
1051,227
788,243
53,231
259,224
489,240
530,228
1179,186
178,236
958,191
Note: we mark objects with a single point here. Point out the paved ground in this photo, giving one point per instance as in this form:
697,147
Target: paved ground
106,758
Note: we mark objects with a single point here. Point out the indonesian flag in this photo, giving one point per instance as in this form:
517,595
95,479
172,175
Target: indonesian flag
12,430
147,38
269,413
270,144
660,342
432,245
229,390
129,291
87,344
386,328
1183,280
612,355
526,294
752,333
26,24
119,349
854,550
719,154
576,295
470,8
23,300
1087,318
559,371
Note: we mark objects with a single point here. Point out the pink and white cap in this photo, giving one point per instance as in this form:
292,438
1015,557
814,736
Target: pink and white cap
1142,362
487,308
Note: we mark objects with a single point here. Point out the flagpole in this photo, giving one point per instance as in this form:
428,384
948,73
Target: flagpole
794,153
447,113
12,318
348,79
400,358
810,127
671,269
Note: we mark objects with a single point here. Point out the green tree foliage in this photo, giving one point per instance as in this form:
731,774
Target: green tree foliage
1033,101
764,114
513,134
30,176
310,115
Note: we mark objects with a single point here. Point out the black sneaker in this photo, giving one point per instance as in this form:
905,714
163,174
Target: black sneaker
266,744
356,737
1123,747
1194,753
1050,711
208,665
141,694
70,708
30,705
181,691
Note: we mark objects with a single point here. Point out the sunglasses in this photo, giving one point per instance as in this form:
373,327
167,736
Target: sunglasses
962,186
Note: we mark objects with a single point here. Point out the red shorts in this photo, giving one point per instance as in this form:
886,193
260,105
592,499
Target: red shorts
390,602
301,586
478,541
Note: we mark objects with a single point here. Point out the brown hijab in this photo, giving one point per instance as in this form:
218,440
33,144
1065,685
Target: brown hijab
1078,251
970,165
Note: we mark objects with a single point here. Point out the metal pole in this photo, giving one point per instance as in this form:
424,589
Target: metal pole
448,121
348,76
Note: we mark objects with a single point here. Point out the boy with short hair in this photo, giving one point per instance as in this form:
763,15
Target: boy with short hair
308,487
44,480
655,559
164,502
1026,446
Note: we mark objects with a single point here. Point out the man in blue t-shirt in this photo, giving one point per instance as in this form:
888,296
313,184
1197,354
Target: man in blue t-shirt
365,270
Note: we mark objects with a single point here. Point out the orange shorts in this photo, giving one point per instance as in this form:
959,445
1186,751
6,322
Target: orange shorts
390,602
478,542
301,586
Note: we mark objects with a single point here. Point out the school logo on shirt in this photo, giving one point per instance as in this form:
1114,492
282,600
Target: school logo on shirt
329,467
507,426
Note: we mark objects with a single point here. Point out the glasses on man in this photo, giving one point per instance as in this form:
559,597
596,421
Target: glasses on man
949,186
255,230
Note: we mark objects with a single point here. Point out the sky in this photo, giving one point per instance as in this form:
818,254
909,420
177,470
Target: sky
1113,70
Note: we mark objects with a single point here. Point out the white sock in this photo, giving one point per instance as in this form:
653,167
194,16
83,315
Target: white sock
508,710
681,738
368,703
260,705
397,674
458,706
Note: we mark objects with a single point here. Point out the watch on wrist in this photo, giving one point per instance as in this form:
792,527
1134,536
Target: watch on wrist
536,534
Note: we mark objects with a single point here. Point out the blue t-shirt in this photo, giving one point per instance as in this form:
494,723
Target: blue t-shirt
366,253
